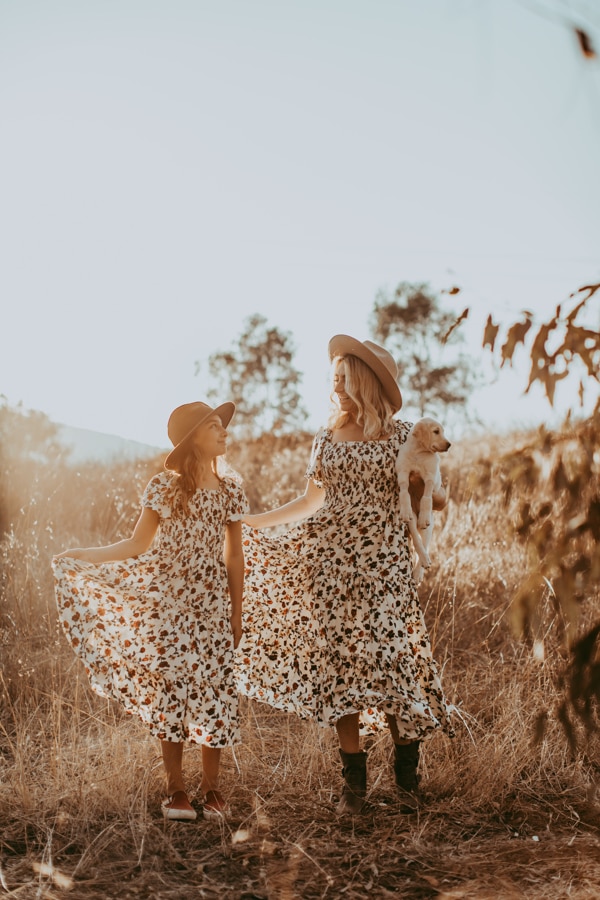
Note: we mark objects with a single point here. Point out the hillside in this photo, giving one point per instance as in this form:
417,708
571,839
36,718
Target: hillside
95,446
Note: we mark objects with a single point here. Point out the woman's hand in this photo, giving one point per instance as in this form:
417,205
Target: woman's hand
75,553
249,520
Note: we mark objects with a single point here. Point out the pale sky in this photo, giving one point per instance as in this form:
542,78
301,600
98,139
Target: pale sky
170,168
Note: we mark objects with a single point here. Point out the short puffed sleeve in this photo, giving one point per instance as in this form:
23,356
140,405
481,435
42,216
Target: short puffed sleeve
402,430
159,494
237,506
314,465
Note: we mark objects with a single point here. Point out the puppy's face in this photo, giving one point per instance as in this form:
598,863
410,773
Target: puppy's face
430,435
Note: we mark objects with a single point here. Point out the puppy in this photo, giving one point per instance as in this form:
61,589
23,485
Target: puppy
419,453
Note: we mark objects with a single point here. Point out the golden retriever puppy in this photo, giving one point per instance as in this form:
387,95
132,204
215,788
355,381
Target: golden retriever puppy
419,454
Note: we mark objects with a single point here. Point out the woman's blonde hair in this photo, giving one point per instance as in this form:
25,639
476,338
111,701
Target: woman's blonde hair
374,411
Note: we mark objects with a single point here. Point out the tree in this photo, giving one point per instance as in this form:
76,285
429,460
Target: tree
259,376
29,450
415,329
27,434
556,479
562,348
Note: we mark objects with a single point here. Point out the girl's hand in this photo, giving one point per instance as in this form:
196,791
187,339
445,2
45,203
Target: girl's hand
140,541
236,630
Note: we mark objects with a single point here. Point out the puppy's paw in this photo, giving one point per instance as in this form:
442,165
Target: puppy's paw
405,510
418,573
424,520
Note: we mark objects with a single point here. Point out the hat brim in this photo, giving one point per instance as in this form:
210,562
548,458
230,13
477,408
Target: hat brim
344,345
225,412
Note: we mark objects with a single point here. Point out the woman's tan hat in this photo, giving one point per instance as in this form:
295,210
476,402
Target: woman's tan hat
184,420
377,358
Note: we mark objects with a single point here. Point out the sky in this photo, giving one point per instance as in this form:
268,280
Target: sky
168,169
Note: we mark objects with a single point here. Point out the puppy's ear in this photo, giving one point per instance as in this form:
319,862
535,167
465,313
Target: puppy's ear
420,431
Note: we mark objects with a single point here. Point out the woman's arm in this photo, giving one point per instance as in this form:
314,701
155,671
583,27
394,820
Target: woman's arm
439,498
416,486
140,541
307,504
234,563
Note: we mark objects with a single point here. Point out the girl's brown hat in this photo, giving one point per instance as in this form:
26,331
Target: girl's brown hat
378,359
183,422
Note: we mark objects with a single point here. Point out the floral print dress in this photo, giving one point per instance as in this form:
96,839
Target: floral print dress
154,631
331,614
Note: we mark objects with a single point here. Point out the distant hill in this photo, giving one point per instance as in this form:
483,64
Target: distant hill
86,446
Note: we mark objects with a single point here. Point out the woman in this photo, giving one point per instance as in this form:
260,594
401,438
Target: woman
333,625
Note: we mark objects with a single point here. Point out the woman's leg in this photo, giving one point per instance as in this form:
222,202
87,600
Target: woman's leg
392,725
354,762
406,763
347,731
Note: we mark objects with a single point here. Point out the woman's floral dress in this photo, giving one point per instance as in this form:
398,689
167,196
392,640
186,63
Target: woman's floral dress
154,631
331,613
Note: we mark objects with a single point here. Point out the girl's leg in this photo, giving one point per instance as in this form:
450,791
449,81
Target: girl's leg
354,762
172,754
177,806
216,807
211,759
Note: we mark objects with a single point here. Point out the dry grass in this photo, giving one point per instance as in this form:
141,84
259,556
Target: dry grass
81,782
498,821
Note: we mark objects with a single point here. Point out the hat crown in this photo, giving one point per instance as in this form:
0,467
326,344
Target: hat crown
183,422
378,359
184,419
384,357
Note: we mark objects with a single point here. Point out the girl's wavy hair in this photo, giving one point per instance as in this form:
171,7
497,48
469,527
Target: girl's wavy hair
375,412
186,475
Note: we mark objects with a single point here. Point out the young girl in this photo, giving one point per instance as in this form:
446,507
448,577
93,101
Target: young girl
333,626
156,628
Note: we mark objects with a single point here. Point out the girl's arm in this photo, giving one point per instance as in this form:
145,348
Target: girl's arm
234,562
310,501
140,541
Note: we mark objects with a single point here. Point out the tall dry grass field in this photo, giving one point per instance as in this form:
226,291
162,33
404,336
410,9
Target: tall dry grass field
504,815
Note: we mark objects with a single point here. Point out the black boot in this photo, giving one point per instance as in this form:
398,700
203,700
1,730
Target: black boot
406,762
352,800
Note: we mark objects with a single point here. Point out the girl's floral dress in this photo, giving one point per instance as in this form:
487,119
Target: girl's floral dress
331,613
154,631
